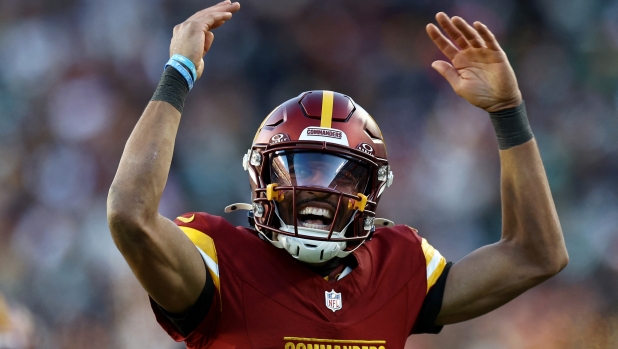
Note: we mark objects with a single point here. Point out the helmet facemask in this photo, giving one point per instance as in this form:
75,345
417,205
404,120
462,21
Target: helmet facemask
310,211
313,200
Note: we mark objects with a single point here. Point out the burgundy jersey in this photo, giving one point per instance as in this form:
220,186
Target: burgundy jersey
267,299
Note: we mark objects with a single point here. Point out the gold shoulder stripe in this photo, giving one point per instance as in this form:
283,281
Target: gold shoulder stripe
186,220
328,99
206,246
434,261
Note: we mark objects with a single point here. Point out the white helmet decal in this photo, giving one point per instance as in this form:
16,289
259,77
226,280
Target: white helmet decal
323,134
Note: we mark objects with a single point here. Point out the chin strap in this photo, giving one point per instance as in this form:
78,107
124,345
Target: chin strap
276,243
383,222
343,254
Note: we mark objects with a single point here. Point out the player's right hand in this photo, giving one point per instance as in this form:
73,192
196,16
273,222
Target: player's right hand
193,37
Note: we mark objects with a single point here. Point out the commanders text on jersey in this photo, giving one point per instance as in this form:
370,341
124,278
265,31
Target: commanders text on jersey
317,343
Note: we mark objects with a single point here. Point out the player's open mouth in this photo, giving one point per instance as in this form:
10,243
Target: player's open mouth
315,217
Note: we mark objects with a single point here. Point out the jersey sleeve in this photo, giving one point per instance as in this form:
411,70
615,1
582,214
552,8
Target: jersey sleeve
432,304
434,262
436,273
196,326
200,336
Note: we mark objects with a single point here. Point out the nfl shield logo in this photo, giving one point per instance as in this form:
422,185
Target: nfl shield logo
333,300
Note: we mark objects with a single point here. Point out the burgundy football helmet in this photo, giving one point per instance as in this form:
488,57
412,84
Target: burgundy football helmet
317,168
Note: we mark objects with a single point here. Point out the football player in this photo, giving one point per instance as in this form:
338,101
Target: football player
316,268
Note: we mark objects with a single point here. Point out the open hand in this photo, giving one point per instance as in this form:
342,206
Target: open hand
193,37
479,70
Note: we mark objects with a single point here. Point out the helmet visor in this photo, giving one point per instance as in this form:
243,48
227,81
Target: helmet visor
311,169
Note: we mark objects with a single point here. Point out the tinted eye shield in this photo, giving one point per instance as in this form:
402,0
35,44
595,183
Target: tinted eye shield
318,170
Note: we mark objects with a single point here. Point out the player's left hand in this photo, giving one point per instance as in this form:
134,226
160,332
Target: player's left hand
479,70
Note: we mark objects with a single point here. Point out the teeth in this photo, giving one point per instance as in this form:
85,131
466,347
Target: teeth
315,226
316,212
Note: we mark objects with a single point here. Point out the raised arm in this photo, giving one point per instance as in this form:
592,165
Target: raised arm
163,259
532,248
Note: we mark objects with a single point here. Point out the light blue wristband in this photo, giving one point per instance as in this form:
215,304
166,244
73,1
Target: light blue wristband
187,62
182,70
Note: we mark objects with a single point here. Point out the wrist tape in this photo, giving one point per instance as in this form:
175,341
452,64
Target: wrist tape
511,126
172,88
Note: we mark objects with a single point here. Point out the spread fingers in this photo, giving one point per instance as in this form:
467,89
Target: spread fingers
447,25
224,6
444,44
488,36
471,35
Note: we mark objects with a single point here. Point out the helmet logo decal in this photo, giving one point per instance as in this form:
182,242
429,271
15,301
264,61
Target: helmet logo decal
324,132
365,148
321,134
333,300
278,138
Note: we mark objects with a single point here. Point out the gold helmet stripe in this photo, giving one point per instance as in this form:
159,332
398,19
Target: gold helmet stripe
327,109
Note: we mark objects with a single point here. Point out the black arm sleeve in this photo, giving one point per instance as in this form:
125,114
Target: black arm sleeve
188,321
425,322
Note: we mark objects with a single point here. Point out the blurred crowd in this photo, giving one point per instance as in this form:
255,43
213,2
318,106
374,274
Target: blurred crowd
76,74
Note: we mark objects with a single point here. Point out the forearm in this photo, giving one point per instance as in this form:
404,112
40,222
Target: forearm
529,216
145,163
